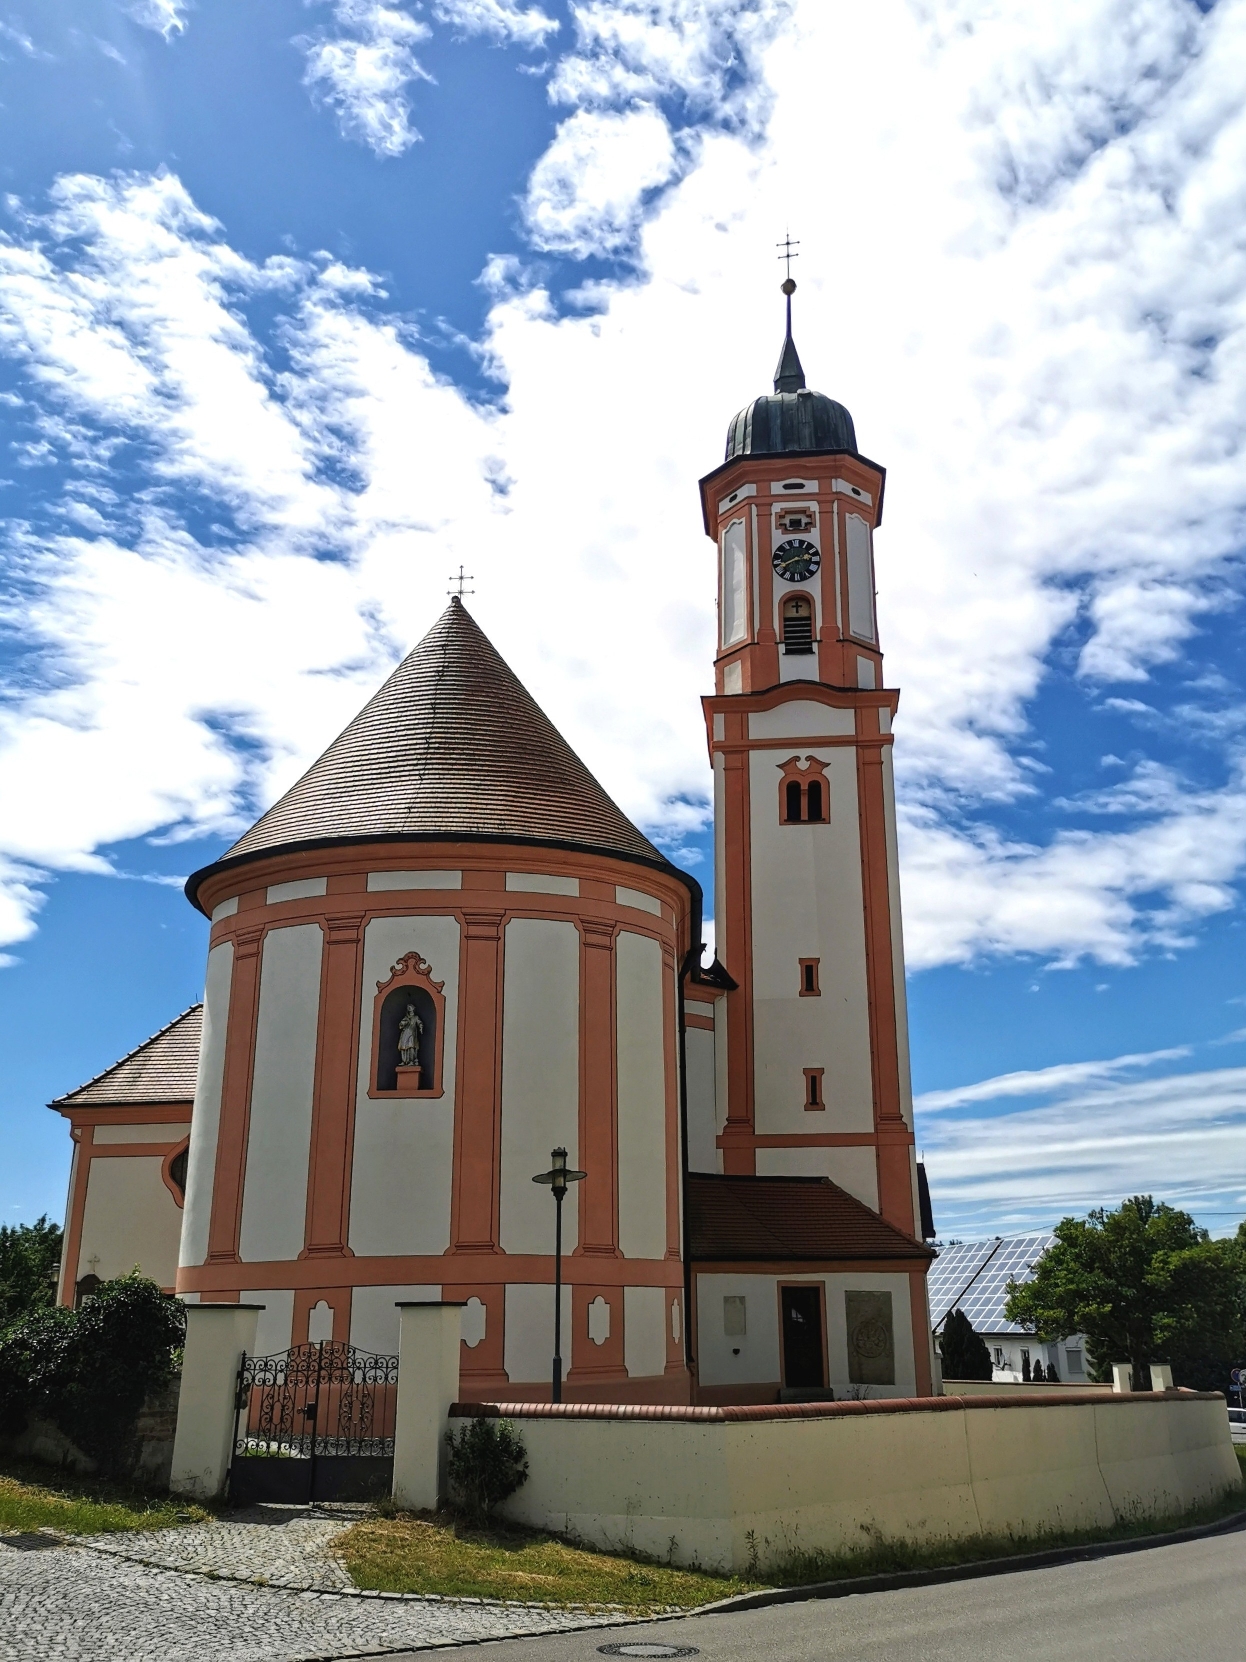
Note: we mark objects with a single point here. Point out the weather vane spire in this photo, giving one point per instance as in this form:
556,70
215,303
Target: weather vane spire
787,254
461,582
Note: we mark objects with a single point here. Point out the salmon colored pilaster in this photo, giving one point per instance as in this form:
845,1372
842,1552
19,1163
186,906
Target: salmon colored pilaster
333,1106
593,1362
231,1137
482,1372
670,1048
478,1120
598,1119
736,1140
895,1194
82,1135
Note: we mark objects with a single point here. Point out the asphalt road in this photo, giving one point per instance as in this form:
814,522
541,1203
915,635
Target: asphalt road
1183,1603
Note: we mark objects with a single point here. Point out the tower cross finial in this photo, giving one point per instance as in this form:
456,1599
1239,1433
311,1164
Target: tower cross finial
786,254
461,582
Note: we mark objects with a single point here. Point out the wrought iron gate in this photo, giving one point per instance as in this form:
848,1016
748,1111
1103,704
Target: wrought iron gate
314,1423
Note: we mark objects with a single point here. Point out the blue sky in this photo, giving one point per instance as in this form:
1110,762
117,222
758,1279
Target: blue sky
302,305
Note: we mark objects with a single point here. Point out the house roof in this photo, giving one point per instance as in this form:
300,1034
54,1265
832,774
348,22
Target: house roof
973,1277
453,746
162,1069
750,1218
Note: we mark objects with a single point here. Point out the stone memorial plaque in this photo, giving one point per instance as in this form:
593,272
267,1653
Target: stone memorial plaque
871,1339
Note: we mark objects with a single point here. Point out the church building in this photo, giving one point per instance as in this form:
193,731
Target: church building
445,952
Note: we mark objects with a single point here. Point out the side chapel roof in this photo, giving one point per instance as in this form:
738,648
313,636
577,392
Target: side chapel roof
755,1218
452,746
162,1069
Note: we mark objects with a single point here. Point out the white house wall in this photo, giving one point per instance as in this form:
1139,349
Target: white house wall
529,1340
374,1314
540,1076
641,1097
644,1331
702,1119
854,1169
201,1163
274,1204
807,903
758,1362
130,1221
403,1152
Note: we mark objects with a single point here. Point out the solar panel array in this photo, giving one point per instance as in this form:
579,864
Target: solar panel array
974,1276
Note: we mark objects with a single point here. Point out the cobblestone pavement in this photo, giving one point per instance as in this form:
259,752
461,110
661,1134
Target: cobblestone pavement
69,1602
270,1544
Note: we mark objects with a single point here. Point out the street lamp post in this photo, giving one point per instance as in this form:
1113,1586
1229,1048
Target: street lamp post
558,1177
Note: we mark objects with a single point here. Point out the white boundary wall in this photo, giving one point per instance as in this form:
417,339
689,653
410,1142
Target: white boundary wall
691,1484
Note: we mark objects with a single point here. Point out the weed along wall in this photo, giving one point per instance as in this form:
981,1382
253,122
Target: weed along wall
741,1488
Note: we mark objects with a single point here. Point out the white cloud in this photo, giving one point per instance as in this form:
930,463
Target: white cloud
1179,1138
1043,1081
587,192
362,73
166,17
1022,269
501,20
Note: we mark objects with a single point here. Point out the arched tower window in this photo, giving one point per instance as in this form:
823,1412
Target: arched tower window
174,1169
804,793
797,621
407,1031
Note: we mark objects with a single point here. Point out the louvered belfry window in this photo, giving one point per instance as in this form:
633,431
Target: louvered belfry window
798,624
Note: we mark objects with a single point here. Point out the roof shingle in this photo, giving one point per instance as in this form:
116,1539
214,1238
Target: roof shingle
739,1218
162,1069
452,746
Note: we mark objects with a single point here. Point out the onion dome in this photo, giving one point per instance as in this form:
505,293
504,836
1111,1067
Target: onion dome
792,418
452,747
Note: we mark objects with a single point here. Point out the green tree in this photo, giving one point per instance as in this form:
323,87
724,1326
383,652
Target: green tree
963,1351
30,1257
1144,1284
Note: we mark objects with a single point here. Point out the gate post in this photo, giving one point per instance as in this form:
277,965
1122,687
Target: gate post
216,1337
428,1382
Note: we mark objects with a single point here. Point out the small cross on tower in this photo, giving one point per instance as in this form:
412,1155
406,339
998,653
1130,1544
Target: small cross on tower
787,255
461,582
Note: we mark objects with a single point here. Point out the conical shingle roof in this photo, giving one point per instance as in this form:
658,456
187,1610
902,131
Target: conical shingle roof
452,746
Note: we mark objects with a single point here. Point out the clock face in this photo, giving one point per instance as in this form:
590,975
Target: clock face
796,559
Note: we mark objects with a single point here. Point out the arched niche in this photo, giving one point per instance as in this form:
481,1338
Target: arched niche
409,985
173,1170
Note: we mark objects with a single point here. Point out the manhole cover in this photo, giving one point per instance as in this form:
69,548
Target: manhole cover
27,1541
640,1648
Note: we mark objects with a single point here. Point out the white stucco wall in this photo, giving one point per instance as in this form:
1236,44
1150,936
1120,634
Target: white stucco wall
714,1493
702,1119
528,1343
540,1078
854,1169
172,1132
201,1162
130,1220
641,1096
644,1331
374,1314
758,1362
274,1196
807,903
403,1156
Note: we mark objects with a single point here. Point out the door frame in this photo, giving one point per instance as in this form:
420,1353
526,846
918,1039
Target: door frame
820,1284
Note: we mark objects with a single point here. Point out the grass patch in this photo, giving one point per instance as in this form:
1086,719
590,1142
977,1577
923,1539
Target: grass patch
423,1553
878,1555
33,1497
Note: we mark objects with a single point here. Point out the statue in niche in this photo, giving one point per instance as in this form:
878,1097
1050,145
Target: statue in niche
410,1032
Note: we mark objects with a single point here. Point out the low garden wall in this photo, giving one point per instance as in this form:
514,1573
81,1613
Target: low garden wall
741,1488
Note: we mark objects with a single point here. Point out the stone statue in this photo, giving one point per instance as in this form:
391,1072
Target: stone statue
410,1032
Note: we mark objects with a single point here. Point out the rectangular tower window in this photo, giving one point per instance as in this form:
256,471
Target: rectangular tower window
809,987
860,579
734,597
815,1102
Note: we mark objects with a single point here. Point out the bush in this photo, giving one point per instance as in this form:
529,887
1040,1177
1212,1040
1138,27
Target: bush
90,1370
487,1464
964,1353
30,1257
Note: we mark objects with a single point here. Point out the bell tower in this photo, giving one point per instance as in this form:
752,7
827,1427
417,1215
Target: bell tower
807,910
